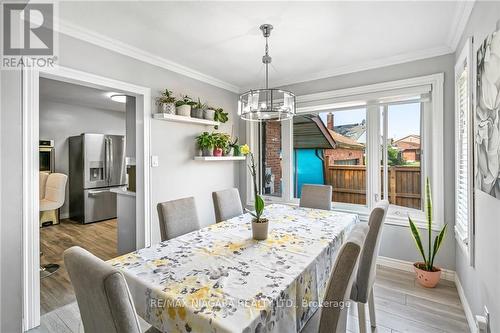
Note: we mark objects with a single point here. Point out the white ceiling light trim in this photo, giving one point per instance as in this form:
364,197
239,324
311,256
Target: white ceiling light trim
457,28
103,41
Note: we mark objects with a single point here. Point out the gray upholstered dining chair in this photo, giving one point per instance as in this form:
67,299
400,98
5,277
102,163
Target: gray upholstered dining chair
177,217
102,294
332,317
316,196
362,289
227,204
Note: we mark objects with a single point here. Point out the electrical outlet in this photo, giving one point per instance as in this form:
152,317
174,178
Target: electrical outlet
155,162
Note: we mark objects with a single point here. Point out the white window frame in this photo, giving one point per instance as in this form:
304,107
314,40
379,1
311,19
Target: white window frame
361,96
465,241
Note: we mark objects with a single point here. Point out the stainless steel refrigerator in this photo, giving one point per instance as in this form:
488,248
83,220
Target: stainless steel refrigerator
96,165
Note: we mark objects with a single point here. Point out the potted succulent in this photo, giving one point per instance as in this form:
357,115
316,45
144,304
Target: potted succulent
205,142
183,106
260,225
428,275
197,109
221,142
220,116
166,102
209,113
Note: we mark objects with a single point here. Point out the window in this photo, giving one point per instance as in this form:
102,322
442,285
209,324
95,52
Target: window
400,127
463,149
369,142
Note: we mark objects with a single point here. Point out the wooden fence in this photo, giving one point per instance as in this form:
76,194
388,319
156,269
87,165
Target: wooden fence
349,184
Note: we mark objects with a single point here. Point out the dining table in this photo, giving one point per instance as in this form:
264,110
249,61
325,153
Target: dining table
219,279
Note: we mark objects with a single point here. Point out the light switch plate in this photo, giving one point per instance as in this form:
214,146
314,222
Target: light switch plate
155,162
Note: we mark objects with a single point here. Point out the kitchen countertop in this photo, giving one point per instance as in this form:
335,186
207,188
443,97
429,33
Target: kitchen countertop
122,191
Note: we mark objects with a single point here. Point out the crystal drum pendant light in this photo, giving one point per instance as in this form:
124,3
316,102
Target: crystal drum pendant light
266,104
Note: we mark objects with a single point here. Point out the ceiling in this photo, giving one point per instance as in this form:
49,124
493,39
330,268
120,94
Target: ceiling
74,94
220,43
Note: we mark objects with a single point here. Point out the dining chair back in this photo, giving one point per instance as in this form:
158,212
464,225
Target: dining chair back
177,217
362,290
54,191
316,196
227,204
42,182
102,294
332,316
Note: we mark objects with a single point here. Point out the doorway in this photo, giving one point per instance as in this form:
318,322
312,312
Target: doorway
31,203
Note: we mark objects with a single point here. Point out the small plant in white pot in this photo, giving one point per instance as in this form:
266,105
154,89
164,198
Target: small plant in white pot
166,102
205,142
260,225
209,113
197,109
183,106
428,275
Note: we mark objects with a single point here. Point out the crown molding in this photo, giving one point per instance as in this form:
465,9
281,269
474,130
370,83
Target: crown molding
378,63
112,44
459,22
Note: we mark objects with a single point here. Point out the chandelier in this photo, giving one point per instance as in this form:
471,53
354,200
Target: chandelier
266,104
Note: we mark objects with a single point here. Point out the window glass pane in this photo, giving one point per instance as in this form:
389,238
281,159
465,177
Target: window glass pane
271,158
330,148
403,180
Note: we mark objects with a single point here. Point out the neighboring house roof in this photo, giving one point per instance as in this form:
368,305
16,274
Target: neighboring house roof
414,138
353,131
310,132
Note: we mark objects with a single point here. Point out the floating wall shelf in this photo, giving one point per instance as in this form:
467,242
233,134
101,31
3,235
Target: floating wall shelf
222,158
183,119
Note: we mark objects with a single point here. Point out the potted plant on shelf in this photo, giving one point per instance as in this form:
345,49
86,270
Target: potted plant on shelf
427,274
166,102
260,225
220,116
235,147
209,113
183,106
197,109
205,142
221,142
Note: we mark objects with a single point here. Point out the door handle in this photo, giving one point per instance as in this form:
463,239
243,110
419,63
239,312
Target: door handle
97,192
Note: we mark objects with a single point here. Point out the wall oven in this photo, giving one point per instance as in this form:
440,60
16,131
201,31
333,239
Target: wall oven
47,155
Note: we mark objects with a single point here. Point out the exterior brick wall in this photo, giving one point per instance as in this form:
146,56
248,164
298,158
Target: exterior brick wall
342,154
272,133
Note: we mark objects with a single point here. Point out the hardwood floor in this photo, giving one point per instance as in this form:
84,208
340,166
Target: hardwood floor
401,306
100,238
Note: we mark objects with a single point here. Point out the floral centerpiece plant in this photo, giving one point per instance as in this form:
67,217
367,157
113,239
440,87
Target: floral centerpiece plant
259,224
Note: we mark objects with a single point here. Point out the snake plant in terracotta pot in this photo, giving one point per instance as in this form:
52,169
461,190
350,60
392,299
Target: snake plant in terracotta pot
260,225
428,275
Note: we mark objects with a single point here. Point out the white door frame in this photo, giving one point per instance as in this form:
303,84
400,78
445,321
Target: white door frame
30,123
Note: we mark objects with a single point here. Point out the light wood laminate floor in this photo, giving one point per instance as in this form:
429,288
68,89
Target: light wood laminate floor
401,306
100,238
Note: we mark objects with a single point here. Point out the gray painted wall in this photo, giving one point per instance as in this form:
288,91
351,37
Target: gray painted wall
480,283
59,121
396,240
10,210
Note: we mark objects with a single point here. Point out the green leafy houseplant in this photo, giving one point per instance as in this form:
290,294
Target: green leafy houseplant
205,140
220,116
185,100
235,146
165,98
428,263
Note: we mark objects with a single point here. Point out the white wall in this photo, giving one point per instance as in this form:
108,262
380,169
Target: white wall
481,283
59,121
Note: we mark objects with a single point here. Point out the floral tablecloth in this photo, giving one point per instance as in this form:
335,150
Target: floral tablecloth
218,279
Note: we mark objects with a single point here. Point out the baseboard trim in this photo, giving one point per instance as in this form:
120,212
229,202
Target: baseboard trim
407,266
465,304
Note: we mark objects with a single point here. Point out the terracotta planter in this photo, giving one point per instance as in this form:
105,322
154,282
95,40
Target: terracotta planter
218,152
425,278
259,229
184,110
